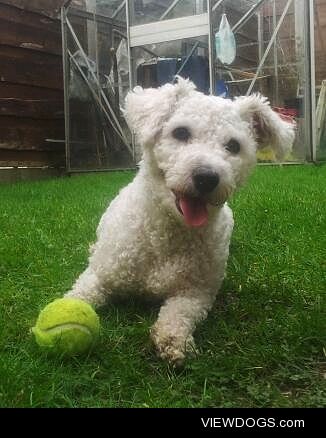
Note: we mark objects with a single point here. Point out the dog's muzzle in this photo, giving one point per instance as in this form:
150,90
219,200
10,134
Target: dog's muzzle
193,205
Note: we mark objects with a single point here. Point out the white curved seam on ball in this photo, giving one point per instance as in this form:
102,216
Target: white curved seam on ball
69,325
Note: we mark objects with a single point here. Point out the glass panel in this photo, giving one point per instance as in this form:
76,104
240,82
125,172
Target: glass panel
237,76
107,8
282,75
148,11
95,121
111,8
157,64
320,57
285,69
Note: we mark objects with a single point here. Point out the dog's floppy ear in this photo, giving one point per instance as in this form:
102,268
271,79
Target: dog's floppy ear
268,127
147,109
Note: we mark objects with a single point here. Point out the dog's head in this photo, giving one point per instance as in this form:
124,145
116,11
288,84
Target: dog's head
203,147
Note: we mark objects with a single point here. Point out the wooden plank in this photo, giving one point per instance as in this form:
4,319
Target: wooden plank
10,158
28,37
30,134
20,16
29,30
44,7
32,108
28,92
30,68
19,53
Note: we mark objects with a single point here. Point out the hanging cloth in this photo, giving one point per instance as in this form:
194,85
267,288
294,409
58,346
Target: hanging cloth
225,42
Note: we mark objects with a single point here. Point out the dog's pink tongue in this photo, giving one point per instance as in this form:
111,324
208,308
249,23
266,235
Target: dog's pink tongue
194,211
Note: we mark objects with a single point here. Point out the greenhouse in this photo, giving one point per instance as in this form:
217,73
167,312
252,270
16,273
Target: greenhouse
112,46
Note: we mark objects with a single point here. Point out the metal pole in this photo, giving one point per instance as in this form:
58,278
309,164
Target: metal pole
217,5
303,123
130,63
66,4
119,9
169,9
260,24
65,85
243,20
260,35
311,79
131,72
275,56
92,53
279,24
91,26
211,48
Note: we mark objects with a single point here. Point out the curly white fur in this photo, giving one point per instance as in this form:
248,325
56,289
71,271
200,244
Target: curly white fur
144,244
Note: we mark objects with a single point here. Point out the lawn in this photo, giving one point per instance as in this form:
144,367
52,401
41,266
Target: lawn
263,345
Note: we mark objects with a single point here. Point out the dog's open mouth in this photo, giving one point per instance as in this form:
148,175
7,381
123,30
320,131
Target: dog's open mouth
194,210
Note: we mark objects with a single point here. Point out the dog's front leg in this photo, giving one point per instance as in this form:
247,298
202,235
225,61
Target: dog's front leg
89,288
172,332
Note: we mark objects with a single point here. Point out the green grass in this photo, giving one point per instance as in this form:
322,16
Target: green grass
263,345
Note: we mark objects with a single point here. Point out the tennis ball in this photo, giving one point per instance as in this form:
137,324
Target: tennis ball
67,326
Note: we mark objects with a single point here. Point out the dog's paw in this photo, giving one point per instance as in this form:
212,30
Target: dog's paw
171,348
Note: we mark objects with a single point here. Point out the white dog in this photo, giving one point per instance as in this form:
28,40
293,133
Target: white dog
168,232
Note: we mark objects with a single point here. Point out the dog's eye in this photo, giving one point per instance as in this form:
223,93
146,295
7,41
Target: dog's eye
233,146
181,133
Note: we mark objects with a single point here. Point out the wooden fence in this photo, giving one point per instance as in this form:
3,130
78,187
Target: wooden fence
31,84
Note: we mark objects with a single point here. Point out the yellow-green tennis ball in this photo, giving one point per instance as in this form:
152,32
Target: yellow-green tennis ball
67,326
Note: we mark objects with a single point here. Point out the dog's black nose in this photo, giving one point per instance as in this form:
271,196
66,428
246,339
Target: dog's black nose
205,180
